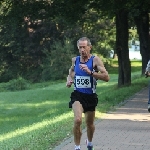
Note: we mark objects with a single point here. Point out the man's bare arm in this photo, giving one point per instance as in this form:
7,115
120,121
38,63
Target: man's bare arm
70,76
102,73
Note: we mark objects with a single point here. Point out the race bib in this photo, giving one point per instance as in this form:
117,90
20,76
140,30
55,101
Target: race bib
83,82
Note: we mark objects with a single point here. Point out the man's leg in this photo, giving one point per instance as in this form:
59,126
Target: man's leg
149,98
89,119
78,110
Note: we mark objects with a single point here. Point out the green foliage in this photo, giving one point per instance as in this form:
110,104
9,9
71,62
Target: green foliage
17,84
112,66
57,61
26,28
30,29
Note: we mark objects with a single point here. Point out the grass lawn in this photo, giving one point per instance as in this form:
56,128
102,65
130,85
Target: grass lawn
38,119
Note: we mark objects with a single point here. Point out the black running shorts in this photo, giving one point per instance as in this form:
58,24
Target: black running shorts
88,101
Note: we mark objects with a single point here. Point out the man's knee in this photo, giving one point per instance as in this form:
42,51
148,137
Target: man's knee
78,121
90,124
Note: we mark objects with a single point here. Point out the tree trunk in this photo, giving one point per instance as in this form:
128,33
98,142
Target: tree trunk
124,66
142,23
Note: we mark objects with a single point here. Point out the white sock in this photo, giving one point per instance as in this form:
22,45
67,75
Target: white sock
77,147
89,143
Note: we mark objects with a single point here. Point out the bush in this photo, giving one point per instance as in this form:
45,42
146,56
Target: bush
58,61
17,84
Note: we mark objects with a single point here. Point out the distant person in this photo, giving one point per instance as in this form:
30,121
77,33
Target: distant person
147,73
133,42
84,72
112,54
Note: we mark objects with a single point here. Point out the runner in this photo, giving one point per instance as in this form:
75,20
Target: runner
86,69
147,74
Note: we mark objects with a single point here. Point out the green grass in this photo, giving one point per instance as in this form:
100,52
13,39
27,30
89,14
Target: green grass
39,119
135,66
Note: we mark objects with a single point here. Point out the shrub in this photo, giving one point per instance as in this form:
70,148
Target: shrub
17,84
58,61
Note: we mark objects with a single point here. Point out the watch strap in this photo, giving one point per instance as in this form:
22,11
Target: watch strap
92,73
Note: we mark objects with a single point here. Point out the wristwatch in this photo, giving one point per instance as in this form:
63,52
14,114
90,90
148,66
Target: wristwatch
92,73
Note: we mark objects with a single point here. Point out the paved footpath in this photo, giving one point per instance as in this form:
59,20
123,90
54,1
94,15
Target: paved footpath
126,128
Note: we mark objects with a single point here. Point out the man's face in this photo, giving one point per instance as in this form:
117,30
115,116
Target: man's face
84,50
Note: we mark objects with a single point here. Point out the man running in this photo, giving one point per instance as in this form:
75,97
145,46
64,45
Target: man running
86,69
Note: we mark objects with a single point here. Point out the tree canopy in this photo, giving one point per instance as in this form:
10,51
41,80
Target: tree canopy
31,29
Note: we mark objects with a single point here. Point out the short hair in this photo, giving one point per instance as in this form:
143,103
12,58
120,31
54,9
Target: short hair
85,39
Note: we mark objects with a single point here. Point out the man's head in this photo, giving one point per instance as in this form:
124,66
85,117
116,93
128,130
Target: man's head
84,46
84,39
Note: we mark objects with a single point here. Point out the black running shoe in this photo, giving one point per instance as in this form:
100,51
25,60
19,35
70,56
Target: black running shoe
90,147
149,108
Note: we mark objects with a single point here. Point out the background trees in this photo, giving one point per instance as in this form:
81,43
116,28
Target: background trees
35,36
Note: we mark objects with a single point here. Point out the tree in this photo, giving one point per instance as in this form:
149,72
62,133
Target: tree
142,23
139,11
118,9
35,26
124,77
28,27
140,14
